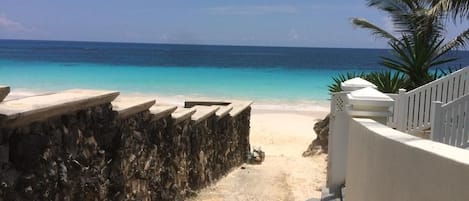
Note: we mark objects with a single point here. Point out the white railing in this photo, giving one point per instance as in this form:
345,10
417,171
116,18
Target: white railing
392,120
414,107
450,122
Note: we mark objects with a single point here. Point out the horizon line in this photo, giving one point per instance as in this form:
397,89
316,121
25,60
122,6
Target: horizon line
191,44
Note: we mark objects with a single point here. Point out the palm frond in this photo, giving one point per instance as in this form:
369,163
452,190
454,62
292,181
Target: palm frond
459,41
457,8
387,81
375,30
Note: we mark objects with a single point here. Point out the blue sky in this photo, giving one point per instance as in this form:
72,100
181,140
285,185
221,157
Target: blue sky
317,23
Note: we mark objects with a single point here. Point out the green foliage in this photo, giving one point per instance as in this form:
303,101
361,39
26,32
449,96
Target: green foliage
414,57
419,43
457,8
386,81
335,86
418,46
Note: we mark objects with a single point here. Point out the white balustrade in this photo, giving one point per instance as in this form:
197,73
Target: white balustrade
414,107
450,122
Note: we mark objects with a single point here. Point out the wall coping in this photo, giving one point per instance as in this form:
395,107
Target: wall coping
223,111
4,91
203,112
181,114
38,108
447,151
239,106
160,111
126,105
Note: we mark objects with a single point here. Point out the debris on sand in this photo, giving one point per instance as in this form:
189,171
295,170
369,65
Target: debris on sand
257,156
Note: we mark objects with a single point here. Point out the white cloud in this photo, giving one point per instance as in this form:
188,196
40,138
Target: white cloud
253,10
11,26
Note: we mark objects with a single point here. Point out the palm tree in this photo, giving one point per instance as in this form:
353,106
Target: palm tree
458,8
415,56
419,43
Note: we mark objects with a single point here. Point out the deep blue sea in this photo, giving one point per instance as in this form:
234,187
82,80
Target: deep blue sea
275,74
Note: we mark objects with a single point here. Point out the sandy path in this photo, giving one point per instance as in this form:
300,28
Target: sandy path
285,174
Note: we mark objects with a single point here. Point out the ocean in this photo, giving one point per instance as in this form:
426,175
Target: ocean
277,75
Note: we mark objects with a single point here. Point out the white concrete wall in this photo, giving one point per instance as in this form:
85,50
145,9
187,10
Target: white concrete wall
385,164
338,140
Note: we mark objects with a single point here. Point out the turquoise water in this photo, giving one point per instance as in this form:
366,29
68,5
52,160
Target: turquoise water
279,75
244,83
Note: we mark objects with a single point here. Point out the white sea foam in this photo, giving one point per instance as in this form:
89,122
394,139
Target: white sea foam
297,106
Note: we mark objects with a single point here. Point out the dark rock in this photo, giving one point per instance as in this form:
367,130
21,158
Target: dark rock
320,144
92,155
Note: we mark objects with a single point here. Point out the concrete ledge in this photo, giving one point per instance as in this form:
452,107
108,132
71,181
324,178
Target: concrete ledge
203,112
160,111
385,164
38,108
238,107
126,106
181,114
223,111
4,91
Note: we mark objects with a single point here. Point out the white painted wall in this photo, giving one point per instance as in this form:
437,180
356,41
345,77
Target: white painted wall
384,164
338,140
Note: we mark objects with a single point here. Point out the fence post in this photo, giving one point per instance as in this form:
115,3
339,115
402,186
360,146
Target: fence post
402,110
436,121
338,134
337,142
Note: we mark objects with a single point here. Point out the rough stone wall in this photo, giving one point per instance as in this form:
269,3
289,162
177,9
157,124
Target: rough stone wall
92,155
136,158
202,153
59,159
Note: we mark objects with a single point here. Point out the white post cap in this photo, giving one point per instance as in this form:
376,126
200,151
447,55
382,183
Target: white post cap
369,96
355,84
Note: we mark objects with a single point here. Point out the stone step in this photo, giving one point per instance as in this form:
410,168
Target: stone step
181,114
239,106
4,91
223,111
161,111
126,106
38,108
203,112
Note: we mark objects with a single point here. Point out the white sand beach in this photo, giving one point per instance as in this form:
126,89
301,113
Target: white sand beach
285,174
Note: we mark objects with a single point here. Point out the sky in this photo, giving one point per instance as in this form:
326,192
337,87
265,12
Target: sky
295,23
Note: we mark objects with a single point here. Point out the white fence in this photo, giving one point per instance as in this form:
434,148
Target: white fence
392,120
413,108
450,122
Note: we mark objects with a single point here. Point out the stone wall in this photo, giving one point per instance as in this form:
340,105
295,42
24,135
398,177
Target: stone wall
93,153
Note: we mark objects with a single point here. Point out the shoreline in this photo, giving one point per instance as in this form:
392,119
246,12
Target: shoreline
300,107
